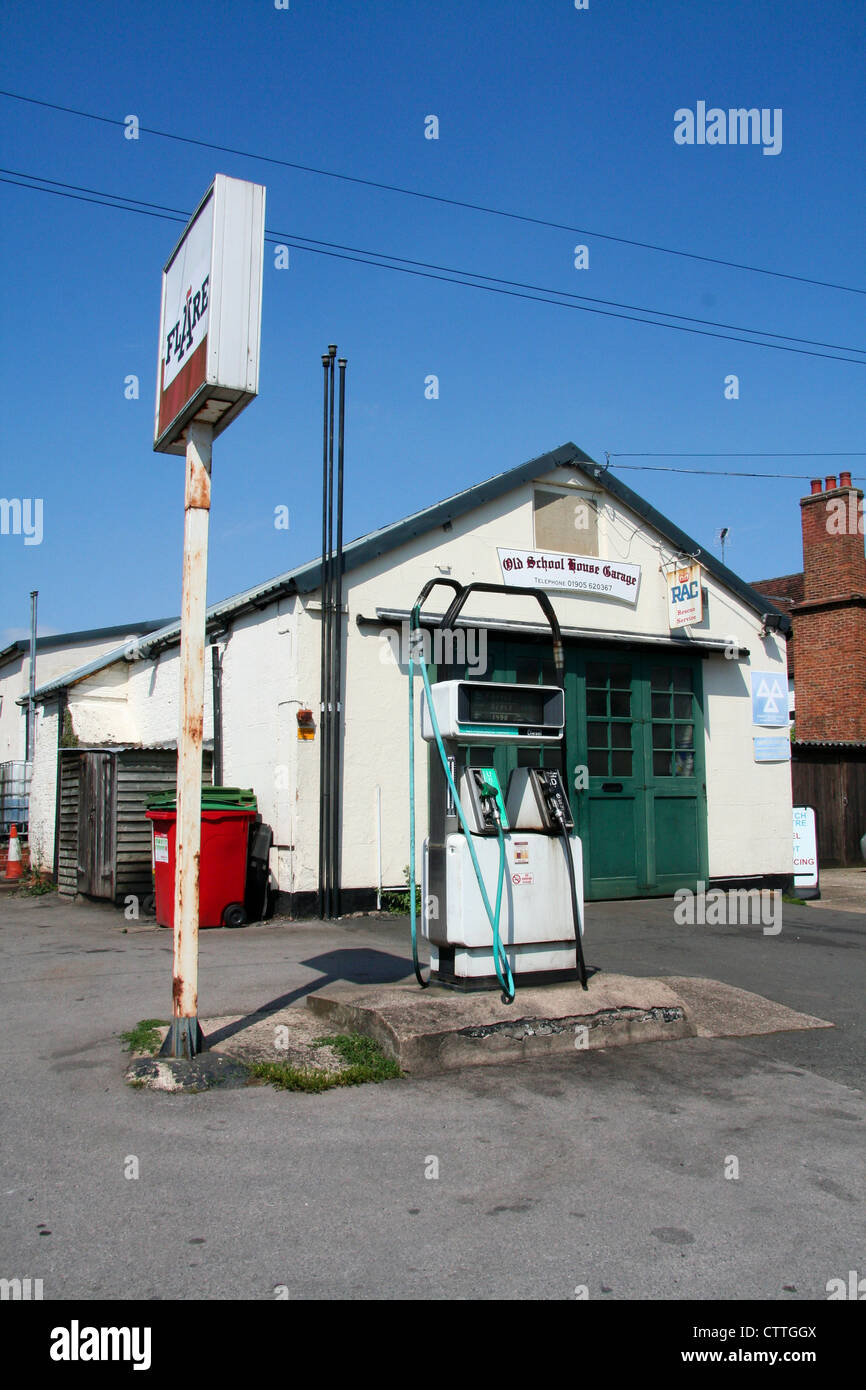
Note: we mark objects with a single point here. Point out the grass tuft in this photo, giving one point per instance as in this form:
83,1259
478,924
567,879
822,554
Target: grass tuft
364,1056
144,1036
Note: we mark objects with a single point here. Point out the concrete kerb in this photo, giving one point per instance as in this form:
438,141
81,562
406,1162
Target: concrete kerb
440,1030
436,1030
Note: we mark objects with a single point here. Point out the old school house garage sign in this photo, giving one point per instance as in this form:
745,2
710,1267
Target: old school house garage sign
586,574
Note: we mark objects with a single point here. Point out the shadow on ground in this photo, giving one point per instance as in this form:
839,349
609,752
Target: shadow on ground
359,966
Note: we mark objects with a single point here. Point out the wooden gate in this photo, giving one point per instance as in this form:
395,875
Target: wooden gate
833,781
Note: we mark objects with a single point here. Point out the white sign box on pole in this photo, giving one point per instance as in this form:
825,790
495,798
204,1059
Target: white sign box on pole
210,321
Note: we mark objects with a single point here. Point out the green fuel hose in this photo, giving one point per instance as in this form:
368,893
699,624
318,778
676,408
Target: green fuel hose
500,959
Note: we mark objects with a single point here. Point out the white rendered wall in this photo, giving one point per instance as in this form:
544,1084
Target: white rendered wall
43,787
15,683
271,669
749,804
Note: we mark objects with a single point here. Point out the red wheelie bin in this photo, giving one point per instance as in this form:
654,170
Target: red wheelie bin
227,813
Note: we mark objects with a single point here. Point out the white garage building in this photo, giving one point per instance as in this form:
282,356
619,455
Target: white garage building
660,720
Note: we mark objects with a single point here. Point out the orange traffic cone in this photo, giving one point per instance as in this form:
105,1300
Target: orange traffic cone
13,862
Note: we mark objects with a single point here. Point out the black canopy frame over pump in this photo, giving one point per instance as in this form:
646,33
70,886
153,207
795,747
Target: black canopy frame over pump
446,623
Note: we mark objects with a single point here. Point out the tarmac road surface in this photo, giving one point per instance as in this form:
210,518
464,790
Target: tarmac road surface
605,1170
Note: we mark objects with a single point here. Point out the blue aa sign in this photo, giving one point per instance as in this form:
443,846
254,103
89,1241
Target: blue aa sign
769,699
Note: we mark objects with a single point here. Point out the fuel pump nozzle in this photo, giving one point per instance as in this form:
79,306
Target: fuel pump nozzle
489,804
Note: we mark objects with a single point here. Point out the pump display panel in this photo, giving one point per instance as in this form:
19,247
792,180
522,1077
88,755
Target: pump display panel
497,704
485,711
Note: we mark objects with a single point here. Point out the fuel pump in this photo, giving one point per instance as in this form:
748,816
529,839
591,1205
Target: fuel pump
519,844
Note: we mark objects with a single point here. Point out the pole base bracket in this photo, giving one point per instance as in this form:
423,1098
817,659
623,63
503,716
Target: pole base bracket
184,1038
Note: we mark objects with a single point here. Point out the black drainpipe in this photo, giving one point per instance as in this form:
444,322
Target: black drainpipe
338,652
324,675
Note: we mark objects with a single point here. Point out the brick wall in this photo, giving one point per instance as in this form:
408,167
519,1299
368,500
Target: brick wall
830,620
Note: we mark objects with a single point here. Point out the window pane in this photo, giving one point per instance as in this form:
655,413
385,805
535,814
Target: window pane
661,764
620,703
621,763
660,677
684,764
526,671
597,734
682,706
685,735
597,763
620,675
662,736
682,678
534,670
620,735
596,673
479,755
661,706
596,703
528,757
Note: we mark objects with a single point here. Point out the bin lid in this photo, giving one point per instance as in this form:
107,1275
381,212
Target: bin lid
212,799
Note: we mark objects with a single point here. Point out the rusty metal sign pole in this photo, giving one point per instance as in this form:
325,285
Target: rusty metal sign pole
185,1038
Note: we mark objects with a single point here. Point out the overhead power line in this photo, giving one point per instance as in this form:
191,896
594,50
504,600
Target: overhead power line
713,472
583,298
438,198
451,270
752,454
493,284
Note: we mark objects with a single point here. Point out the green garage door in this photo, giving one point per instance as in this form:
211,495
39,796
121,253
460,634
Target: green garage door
635,756
639,769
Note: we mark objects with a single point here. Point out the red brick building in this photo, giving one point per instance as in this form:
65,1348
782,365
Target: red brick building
827,659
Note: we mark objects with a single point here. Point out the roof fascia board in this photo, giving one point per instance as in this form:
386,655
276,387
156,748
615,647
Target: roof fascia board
510,625
89,634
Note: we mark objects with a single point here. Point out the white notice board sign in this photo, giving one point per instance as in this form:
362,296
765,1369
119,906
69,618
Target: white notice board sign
805,849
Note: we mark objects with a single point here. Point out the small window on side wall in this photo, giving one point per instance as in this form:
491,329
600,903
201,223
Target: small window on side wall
565,521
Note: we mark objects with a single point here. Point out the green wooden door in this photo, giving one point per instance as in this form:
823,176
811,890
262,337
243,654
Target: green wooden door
634,759
608,774
676,789
521,664
640,786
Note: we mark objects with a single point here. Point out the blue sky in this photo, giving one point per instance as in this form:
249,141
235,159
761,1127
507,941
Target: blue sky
561,114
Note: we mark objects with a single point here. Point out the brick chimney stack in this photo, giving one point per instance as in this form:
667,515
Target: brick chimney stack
830,622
